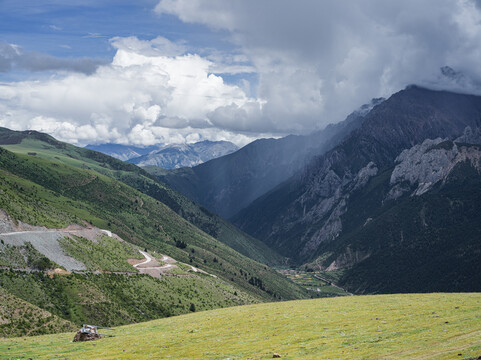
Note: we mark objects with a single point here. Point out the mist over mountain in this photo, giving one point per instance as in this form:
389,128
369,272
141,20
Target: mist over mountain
230,183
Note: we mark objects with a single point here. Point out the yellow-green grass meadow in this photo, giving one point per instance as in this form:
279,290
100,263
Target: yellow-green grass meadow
414,326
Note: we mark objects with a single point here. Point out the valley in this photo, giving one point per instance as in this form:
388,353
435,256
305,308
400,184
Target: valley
235,180
377,196
386,202
317,282
86,238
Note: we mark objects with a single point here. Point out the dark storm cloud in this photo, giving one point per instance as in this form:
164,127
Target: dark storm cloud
318,60
12,56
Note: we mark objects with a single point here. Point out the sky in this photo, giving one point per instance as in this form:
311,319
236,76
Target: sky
171,71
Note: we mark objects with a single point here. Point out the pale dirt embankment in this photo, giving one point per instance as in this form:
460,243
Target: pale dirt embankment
46,242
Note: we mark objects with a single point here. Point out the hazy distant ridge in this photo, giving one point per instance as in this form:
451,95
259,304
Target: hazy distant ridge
185,155
170,156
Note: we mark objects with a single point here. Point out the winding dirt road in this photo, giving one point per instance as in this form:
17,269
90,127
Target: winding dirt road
147,259
152,267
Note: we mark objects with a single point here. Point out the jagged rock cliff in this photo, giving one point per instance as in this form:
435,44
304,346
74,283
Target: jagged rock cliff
396,204
425,165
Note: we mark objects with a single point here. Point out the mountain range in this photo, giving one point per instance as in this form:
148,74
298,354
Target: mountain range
387,201
122,152
171,156
372,202
393,194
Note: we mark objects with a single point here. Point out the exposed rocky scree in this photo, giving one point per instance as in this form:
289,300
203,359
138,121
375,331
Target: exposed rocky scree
335,206
432,225
47,241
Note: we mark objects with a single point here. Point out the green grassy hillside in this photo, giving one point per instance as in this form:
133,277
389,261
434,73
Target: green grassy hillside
48,190
18,317
93,294
117,299
433,326
44,182
43,146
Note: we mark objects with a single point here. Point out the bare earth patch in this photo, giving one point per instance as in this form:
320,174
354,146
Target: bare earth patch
134,261
58,271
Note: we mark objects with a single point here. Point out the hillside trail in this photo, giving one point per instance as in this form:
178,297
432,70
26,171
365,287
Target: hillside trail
154,268
88,232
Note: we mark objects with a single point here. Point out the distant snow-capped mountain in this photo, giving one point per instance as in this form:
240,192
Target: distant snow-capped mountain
181,155
122,152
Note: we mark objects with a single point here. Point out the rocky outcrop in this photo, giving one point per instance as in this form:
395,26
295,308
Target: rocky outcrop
470,136
348,259
423,166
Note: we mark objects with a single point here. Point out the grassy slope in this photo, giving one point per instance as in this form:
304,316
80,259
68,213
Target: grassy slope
205,220
18,317
421,326
48,192
106,254
114,299
48,148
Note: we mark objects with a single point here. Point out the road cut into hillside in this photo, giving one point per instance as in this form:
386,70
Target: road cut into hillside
152,267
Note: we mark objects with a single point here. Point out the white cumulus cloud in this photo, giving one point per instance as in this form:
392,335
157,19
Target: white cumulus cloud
151,92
